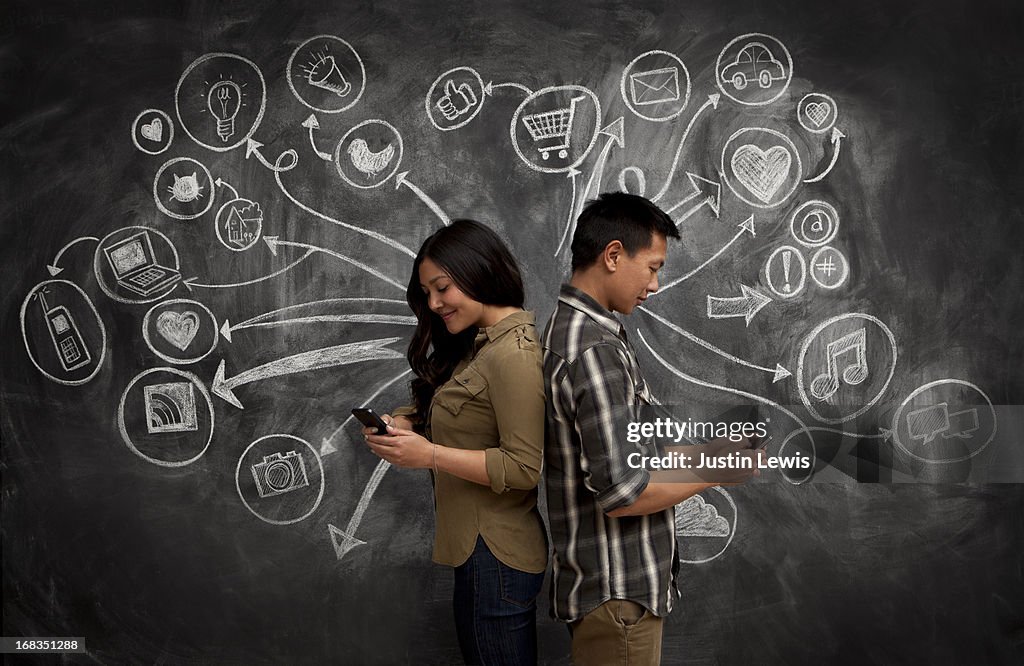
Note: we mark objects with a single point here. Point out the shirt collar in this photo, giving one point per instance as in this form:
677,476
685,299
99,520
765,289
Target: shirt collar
492,333
586,304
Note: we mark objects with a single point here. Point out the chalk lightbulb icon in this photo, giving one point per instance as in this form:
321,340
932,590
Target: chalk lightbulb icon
224,101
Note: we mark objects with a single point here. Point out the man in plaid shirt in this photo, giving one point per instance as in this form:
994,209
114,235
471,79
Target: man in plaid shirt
613,533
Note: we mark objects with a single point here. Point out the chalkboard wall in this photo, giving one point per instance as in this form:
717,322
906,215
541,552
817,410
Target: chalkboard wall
208,215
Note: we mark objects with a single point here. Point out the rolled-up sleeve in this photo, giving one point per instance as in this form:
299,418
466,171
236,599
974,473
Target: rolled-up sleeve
516,386
605,404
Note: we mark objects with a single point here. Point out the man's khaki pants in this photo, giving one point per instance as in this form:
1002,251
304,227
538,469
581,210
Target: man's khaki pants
618,632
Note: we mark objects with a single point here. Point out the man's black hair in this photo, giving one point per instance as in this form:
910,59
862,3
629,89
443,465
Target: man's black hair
627,218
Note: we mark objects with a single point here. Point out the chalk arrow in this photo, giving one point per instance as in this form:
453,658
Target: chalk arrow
836,139
489,88
192,283
402,179
346,540
53,268
317,359
225,330
311,124
614,132
711,102
222,183
746,227
327,444
266,320
708,191
746,306
252,147
274,242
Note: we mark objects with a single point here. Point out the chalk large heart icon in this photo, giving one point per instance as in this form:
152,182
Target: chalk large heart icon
178,328
154,131
761,171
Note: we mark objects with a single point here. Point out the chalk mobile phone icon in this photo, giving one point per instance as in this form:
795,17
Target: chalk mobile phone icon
64,334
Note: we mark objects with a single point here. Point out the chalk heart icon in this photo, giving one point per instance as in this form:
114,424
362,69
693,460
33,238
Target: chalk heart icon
178,328
818,112
761,171
153,131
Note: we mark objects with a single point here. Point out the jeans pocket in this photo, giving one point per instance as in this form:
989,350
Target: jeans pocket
519,587
630,613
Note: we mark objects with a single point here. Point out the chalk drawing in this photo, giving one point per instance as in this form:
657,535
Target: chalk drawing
641,180
554,139
403,179
368,154
178,322
345,540
762,171
239,223
127,262
614,133
825,385
180,192
785,271
455,98
192,281
655,86
326,74
746,227
327,446
162,411
698,520
53,268
754,69
837,141
266,319
829,268
277,486
317,359
311,124
817,112
938,420
814,223
252,147
274,242
64,321
746,306
220,97
152,131
708,191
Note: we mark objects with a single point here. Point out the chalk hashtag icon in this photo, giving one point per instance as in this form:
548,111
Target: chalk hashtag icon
827,266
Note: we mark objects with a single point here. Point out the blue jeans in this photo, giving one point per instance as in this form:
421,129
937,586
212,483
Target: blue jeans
495,610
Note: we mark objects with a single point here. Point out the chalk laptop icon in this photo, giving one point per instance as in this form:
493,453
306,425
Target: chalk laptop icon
135,266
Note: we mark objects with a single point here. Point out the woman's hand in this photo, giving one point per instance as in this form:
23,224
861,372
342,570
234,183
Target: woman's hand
401,446
401,422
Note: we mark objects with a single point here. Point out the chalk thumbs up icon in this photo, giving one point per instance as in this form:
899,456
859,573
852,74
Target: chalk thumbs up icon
456,101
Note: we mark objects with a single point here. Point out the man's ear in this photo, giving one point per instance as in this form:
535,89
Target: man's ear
613,251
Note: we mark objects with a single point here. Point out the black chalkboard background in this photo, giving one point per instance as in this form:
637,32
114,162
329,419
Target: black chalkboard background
158,564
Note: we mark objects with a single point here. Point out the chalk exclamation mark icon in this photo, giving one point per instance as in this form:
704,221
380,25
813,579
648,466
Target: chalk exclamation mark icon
787,257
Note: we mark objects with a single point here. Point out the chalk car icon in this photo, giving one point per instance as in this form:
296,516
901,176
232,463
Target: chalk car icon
754,62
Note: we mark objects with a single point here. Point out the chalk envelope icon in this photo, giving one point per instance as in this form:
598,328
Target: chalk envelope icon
655,86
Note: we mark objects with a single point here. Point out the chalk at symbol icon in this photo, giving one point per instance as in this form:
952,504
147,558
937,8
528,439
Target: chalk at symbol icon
555,124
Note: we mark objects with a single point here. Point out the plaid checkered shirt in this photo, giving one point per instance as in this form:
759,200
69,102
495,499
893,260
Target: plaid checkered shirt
594,388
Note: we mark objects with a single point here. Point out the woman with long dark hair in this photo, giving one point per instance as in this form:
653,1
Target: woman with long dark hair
477,422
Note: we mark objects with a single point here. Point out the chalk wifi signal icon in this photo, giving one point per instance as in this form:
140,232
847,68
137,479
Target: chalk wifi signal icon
170,408
323,73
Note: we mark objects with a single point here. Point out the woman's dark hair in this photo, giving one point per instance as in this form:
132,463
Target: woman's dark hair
627,218
482,267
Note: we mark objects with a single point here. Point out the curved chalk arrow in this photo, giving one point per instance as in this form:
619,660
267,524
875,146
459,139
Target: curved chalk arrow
344,541
778,372
327,446
191,282
53,268
252,147
712,101
317,359
489,88
273,242
746,306
572,173
710,190
614,132
402,179
264,320
311,124
220,182
746,227
837,141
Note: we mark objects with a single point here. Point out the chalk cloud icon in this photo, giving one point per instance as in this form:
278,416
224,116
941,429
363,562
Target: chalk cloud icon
695,517
705,526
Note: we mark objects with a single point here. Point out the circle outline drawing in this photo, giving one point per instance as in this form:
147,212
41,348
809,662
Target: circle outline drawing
732,531
259,115
897,417
291,83
802,357
216,226
583,154
124,429
803,272
394,169
178,216
170,131
319,498
799,167
95,312
845,271
627,71
121,299
171,359
430,92
832,213
800,115
718,70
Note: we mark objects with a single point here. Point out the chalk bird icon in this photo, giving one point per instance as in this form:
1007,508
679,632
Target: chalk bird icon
366,160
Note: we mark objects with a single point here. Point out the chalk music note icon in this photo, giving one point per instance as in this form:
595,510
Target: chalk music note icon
825,385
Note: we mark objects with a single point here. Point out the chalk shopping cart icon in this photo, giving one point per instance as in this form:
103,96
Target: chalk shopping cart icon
550,125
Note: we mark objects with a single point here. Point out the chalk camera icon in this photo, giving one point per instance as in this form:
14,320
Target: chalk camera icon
280,473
